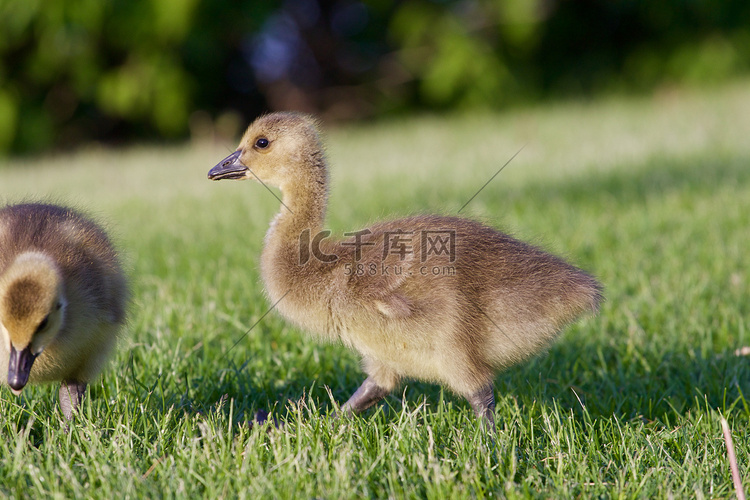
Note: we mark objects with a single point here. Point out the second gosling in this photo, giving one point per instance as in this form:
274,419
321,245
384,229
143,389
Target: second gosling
63,297
442,299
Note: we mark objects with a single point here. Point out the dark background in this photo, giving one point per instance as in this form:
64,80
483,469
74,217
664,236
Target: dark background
116,71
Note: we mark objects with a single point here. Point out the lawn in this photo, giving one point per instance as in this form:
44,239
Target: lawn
652,195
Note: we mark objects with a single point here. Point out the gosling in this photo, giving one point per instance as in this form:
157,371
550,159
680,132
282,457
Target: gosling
63,298
436,298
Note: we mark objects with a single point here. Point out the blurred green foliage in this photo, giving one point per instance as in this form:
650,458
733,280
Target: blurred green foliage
78,70
73,70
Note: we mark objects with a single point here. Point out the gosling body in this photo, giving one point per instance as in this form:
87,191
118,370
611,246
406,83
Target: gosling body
63,298
436,298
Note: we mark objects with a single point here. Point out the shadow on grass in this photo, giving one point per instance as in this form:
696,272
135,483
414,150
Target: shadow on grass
650,386
573,374
653,385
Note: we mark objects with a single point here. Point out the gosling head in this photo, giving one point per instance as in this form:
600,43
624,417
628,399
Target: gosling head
275,150
31,312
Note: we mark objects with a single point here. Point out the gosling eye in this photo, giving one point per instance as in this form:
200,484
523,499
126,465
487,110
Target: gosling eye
262,143
43,324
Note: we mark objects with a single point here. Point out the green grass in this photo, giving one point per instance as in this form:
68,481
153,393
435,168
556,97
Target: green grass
651,195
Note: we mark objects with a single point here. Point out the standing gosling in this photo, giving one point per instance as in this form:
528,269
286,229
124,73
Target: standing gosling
430,297
62,299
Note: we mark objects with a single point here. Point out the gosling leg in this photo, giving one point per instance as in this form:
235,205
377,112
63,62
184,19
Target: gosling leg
71,395
367,395
483,403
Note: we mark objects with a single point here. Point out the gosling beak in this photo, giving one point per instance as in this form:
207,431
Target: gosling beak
19,367
228,168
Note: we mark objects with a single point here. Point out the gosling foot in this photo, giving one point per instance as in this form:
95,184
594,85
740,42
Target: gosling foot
483,403
367,395
71,395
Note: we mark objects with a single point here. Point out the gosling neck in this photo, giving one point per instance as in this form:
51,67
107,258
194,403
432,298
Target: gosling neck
305,201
